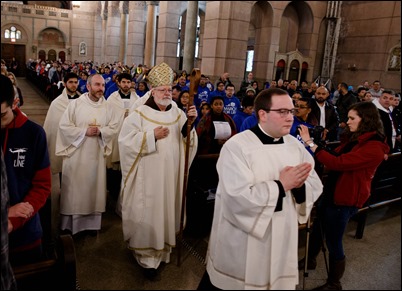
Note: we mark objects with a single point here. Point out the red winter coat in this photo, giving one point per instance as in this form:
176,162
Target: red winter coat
357,169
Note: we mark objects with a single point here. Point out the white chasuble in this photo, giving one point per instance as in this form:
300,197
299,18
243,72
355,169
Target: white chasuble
152,177
83,189
251,246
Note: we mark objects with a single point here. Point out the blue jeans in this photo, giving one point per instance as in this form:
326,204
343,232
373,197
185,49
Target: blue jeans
332,220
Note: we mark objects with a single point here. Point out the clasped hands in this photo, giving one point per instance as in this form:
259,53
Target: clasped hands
93,131
294,177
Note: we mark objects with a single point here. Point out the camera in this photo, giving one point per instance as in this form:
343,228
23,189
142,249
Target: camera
315,133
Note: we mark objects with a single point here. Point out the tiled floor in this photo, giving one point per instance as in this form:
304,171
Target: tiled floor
104,263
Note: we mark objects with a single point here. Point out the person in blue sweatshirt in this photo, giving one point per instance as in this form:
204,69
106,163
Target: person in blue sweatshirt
29,177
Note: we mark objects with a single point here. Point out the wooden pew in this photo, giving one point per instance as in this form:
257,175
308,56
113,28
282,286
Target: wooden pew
385,189
57,272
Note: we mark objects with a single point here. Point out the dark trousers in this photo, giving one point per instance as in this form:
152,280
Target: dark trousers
332,219
113,178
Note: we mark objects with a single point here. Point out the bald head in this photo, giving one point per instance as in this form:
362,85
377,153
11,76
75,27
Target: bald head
321,94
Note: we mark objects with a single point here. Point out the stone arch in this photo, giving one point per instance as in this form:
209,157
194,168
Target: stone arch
24,35
297,24
260,34
42,55
52,36
280,70
52,55
294,69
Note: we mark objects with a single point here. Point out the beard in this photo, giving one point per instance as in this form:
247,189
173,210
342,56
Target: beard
320,100
164,102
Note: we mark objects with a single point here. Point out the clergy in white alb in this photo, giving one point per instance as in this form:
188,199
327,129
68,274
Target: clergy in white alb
84,139
152,145
51,126
267,186
121,101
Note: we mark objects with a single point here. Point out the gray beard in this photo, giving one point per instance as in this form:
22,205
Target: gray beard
164,102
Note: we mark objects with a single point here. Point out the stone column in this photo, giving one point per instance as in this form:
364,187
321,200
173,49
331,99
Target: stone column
104,26
168,32
190,35
136,33
149,54
113,32
225,49
123,31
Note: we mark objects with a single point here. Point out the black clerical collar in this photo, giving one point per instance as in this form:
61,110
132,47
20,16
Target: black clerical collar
124,96
264,138
73,97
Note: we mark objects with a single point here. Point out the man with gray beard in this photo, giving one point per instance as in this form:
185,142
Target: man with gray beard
152,144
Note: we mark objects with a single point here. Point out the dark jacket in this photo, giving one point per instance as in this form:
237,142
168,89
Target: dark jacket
331,118
29,178
342,105
356,168
386,121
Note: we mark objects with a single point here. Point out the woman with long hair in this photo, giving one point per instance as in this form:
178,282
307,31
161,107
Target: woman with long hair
351,168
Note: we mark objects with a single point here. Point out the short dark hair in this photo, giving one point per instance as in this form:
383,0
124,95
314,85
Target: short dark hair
69,76
388,92
177,87
247,101
263,101
345,86
7,91
122,76
361,89
307,100
217,96
230,85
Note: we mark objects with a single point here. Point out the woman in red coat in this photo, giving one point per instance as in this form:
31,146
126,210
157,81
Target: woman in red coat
351,168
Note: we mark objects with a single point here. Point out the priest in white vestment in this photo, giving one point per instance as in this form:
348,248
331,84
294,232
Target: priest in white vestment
121,102
152,145
84,140
51,126
267,186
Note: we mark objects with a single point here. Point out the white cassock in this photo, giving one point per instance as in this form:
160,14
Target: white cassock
251,246
83,189
122,108
152,183
51,126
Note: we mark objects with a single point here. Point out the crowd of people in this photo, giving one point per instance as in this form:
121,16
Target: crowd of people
131,131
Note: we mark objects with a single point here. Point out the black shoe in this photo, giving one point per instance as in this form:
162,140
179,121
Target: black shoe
92,232
311,264
151,274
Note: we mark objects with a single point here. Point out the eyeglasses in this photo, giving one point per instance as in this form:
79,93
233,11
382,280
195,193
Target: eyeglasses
282,112
164,91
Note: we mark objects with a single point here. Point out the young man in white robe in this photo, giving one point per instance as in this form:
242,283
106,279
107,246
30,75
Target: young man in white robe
152,145
267,186
51,126
84,140
120,101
